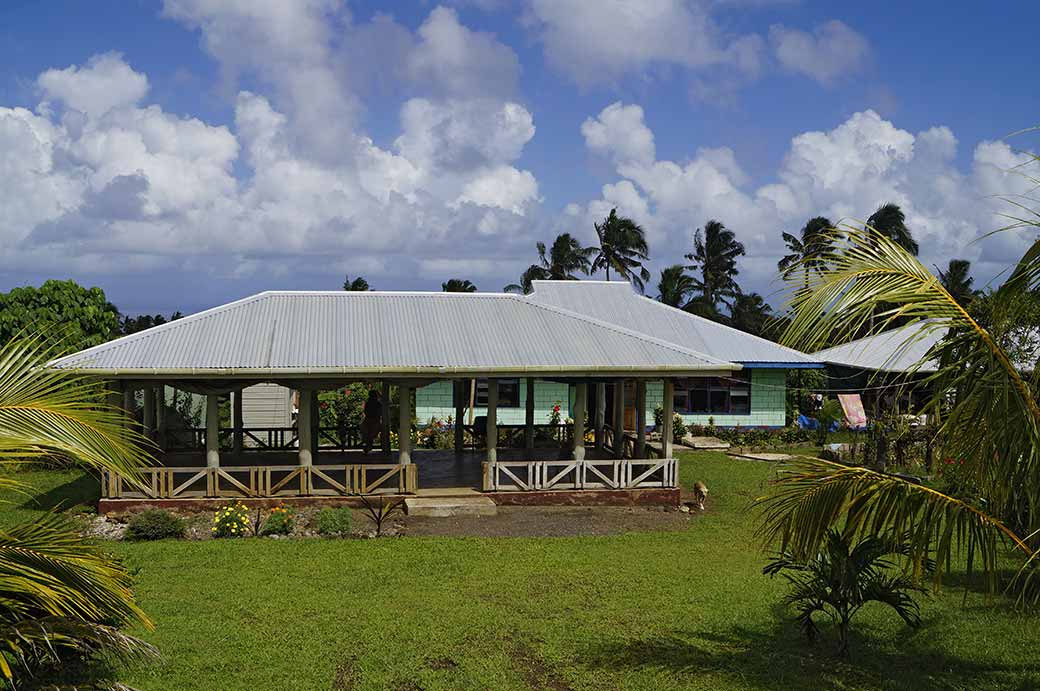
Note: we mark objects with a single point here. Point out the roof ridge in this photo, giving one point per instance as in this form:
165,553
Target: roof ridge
621,330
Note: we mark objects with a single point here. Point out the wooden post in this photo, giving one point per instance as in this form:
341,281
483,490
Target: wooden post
460,410
404,429
492,421
640,445
315,425
581,394
599,417
148,414
212,430
305,427
619,418
668,406
237,422
384,433
529,415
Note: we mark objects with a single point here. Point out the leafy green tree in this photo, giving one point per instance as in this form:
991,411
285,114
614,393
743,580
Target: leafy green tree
130,325
841,578
61,311
957,281
563,262
64,597
675,287
807,251
623,248
715,252
458,285
750,313
359,284
890,221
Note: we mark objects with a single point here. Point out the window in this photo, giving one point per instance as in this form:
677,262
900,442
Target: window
730,395
508,393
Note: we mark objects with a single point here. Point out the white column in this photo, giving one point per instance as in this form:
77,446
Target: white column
404,430
529,415
492,421
599,417
129,402
148,416
305,426
640,445
619,418
212,430
581,393
384,433
459,392
236,413
669,412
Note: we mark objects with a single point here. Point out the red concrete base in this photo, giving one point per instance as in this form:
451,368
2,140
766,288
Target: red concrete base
589,497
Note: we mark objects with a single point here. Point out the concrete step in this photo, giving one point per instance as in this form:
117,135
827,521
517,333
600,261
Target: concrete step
442,507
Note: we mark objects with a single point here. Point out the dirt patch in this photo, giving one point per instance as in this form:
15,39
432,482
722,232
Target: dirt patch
551,521
533,669
442,663
346,677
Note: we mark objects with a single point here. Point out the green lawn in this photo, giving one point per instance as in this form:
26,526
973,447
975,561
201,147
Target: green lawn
686,610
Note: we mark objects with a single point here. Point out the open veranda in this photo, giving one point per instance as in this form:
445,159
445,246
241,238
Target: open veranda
682,608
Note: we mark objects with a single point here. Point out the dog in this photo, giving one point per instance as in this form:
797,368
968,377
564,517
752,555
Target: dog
700,494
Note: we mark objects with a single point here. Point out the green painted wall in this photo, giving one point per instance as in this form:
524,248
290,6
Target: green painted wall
768,406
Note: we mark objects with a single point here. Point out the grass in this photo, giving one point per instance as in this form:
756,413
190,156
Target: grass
683,610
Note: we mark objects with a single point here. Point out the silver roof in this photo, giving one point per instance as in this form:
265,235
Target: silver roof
366,333
617,302
896,350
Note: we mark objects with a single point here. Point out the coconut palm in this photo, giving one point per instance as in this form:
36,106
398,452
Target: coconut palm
989,422
957,281
623,248
359,284
890,221
562,262
750,313
675,286
64,598
715,252
806,250
458,285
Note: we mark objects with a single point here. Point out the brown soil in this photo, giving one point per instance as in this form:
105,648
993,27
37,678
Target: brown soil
550,521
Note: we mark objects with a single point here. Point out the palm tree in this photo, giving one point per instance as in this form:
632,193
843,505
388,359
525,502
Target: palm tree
359,284
989,421
623,248
750,313
957,281
715,252
458,285
675,286
808,250
890,221
64,598
562,262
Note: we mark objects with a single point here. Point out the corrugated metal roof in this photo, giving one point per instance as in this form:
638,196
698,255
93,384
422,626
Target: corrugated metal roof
896,350
299,333
617,302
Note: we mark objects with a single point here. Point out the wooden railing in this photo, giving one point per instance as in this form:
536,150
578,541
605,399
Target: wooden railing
599,474
262,438
263,481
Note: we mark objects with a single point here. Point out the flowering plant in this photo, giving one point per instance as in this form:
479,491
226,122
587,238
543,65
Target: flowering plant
280,521
554,416
231,521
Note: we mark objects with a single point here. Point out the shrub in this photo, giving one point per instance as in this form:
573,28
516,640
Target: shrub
382,511
334,522
280,521
154,524
231,521
554,415
678,428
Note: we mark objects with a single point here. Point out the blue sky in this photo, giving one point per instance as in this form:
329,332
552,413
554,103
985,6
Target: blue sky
184,153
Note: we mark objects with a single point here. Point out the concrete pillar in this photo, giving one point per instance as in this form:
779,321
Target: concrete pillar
384,433
305,427
581,394
404,430
212,430
492,421
668,406
315,426
148,416
529,415
160,414
619,418
236,415
640,445
129,402
600,414
460,392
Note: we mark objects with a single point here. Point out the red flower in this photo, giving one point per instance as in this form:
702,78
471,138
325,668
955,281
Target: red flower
556,408
324,405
